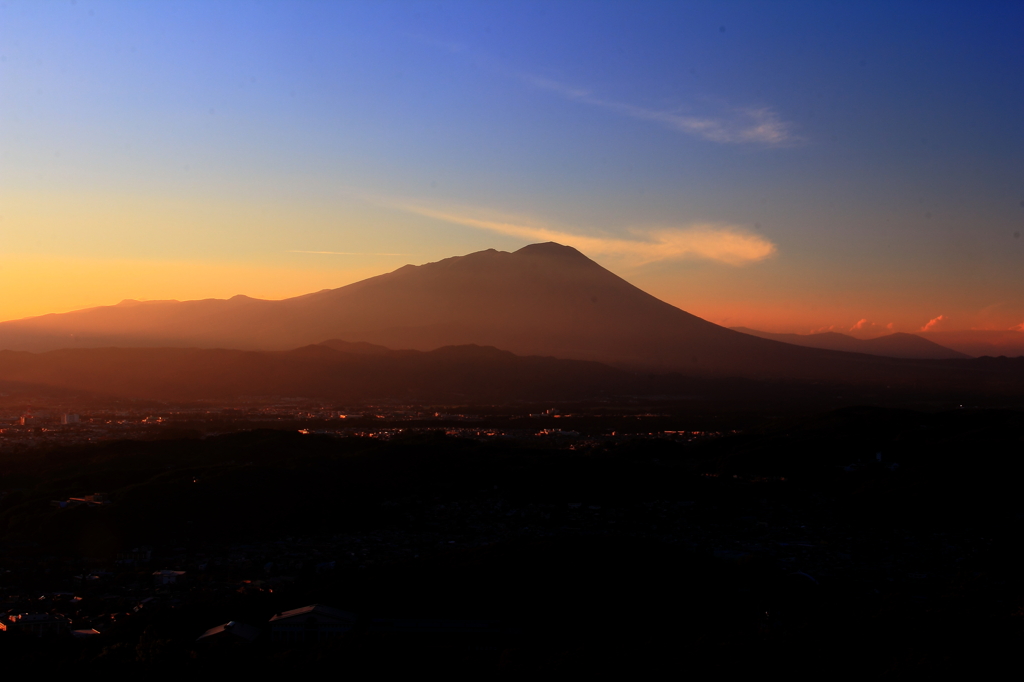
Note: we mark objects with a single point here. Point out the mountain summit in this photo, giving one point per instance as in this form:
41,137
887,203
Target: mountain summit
544,299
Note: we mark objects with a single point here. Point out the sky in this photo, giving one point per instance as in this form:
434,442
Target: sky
786,166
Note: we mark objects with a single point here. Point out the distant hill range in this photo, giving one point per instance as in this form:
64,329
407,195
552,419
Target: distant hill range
349,372
542,300
979,342
922,345
358,371
898,345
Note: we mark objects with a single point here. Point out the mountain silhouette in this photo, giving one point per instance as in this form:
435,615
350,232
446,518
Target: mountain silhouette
542,300
898,345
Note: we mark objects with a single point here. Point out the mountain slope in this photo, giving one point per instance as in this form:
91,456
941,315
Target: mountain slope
898,345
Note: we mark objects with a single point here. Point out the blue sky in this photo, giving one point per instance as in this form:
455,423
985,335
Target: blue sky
783,165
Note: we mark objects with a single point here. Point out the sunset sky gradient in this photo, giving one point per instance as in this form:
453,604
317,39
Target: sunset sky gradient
782,166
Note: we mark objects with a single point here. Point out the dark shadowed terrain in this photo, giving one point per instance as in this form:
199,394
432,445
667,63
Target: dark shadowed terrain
781,547
353,372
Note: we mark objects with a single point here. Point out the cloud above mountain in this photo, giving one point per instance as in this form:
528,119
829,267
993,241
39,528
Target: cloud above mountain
709,241
865,326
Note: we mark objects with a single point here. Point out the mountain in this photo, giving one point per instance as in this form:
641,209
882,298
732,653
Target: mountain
543,300
898,345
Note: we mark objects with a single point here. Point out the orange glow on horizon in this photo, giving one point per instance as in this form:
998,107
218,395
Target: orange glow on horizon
38,286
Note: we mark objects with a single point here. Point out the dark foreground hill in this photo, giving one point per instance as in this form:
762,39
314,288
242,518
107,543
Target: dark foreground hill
545,299
467,373
898,345
362,372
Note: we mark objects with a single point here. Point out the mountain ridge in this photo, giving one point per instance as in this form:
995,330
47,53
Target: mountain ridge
896,345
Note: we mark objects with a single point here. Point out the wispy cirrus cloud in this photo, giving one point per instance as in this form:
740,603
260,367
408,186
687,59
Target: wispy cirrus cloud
733,125
933,323
723,243
350,253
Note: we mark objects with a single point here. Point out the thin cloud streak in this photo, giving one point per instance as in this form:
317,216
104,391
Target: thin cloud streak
350,253
723,243
759,125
